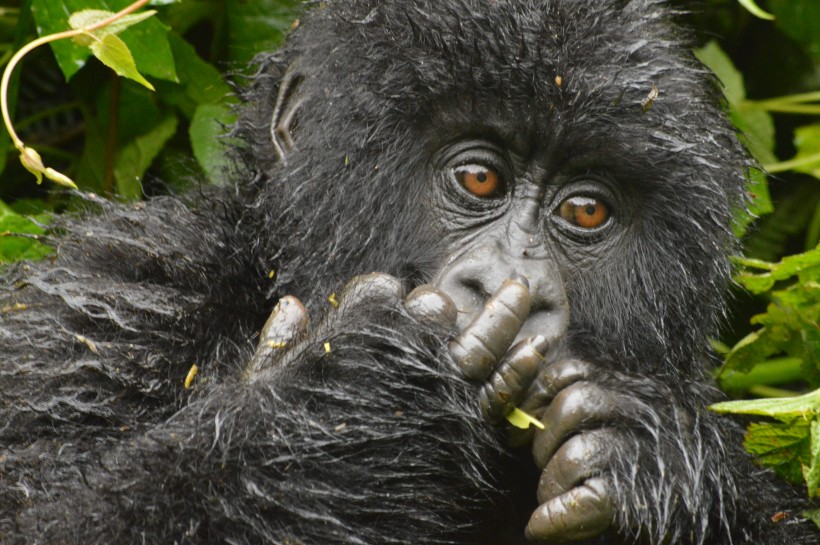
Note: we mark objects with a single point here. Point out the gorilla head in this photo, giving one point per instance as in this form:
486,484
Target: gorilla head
386,111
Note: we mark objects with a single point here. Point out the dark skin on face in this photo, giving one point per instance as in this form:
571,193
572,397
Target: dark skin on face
513,239
501,290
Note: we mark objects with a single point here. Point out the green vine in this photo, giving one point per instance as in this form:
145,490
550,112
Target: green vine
96,29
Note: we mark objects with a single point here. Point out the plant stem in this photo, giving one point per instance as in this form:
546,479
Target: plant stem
778,371
4,83
782,107
792,164
813,96
768,391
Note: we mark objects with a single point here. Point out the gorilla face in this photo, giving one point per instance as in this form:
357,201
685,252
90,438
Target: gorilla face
510,142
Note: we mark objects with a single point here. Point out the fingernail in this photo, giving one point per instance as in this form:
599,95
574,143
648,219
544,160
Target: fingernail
540,344
520,279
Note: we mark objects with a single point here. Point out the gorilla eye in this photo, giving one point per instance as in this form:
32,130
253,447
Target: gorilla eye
584,212
482,181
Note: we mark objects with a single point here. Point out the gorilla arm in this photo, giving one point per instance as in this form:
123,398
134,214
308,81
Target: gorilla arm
101,335
374,441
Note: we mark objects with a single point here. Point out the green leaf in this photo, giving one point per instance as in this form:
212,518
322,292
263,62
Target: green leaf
147,41
258,26
813,515
204,84
811,472
806,406
770,372
17,248
807,142
89,17
90,171
783,447
756,129
113,53
756,132
796,264
182,16
719,62
774,234
761,204
756,347
135,158
800,20
139,110
756,283
208,139
789,266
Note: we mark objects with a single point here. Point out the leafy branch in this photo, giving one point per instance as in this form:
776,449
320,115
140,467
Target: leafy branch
800,104
97,30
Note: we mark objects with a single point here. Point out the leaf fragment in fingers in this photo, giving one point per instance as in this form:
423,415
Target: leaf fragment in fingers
522,420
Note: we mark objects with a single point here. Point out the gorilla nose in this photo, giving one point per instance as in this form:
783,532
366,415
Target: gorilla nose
475,277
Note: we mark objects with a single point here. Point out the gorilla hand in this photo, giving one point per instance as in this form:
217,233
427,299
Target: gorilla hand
288,322
574,492
482,350
610,454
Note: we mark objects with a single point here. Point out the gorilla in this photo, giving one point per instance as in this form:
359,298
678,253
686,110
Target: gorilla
442,212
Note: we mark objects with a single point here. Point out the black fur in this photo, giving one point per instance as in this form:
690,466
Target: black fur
379,441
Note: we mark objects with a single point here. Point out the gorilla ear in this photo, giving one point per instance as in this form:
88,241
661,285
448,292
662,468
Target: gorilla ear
286,111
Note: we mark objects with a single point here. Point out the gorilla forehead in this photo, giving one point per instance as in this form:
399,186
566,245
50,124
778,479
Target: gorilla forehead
573,72
578,67
542,55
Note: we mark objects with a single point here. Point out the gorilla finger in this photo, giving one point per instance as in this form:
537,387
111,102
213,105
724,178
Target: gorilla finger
582,513
574,408
554,378
374,288
429,304
558,376
288,321
518,438
481,345
510,382
580,458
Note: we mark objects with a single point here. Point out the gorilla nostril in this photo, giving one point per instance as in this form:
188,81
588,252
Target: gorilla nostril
476,288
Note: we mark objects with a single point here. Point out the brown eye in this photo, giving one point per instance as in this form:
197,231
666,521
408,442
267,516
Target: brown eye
584,212
479,180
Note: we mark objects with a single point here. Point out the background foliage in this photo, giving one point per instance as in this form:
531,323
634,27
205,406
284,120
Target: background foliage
115,137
